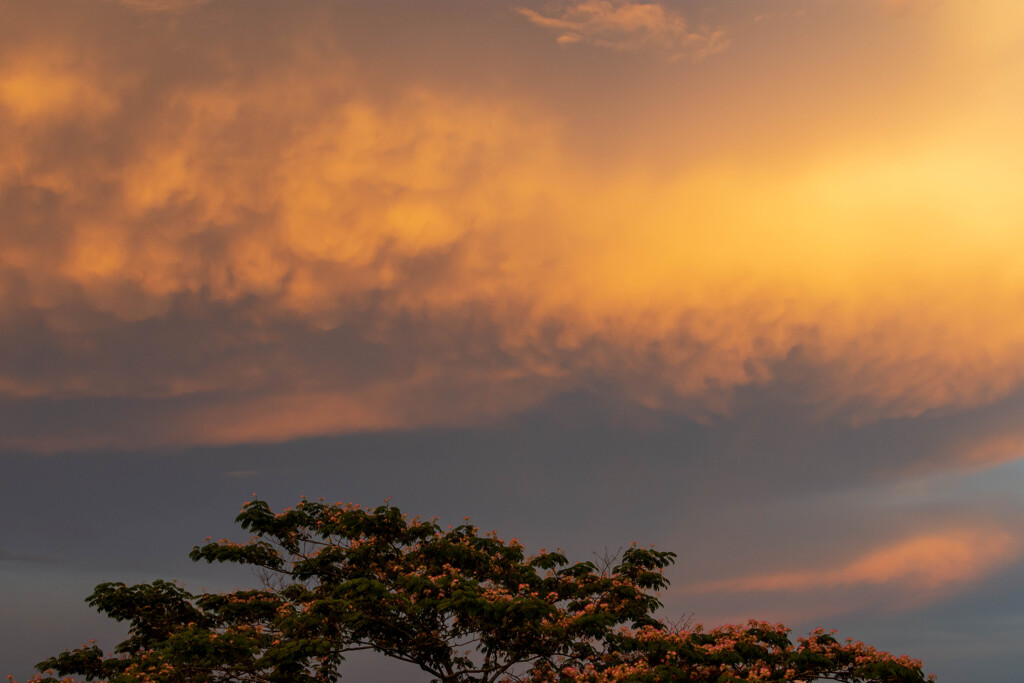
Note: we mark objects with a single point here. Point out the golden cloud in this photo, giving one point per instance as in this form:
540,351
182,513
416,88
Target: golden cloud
214,228
53,84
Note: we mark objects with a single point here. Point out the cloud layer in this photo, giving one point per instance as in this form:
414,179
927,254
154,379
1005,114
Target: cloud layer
254,231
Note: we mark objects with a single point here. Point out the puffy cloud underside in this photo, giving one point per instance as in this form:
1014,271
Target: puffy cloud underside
256,232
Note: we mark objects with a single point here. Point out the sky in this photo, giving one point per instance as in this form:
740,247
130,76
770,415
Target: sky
741,279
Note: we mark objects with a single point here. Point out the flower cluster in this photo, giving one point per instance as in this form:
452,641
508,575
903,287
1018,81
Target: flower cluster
758,652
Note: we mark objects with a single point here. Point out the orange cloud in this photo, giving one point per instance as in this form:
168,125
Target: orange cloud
931,563
221,224
993,450
43,85
626,25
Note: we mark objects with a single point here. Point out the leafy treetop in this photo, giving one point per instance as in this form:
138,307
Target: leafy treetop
461,605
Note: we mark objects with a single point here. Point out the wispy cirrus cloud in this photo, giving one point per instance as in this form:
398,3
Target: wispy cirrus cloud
913,570
629,26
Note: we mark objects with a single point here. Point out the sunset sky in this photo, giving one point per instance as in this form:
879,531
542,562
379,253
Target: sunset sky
743,279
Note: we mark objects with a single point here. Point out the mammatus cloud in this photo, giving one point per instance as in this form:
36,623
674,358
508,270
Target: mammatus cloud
627,26
918,569
244,243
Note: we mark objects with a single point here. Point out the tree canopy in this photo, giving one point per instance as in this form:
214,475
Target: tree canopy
461,605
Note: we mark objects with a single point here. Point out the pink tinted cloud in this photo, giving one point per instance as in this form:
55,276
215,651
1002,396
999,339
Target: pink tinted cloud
920,568
629,26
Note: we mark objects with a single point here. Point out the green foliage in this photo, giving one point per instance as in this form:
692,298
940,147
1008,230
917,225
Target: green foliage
461,605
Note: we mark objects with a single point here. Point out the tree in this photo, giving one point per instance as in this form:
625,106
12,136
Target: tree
461,605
